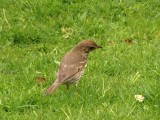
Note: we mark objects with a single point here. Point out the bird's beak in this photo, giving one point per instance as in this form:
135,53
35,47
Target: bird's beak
99,46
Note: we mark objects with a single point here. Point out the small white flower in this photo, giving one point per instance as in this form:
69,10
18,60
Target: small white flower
139,98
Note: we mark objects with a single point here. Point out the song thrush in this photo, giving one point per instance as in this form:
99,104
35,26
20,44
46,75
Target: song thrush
73,64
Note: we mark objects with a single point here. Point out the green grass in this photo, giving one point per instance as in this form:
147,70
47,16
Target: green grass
36,34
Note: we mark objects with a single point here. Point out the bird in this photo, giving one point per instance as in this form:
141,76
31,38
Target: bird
73,64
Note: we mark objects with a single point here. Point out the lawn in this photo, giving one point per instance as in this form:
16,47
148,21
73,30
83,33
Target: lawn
36,34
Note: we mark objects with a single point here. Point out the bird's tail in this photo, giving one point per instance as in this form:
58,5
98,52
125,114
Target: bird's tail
52,88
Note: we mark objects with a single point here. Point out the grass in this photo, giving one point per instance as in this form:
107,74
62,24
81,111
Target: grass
35,35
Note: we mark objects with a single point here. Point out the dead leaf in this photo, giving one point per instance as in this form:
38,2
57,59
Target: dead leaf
110,43
40,80
129,41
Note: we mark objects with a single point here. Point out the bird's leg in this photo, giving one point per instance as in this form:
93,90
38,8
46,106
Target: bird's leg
75,86
67,86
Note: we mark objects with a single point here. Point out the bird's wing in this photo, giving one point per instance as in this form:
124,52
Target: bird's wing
70,65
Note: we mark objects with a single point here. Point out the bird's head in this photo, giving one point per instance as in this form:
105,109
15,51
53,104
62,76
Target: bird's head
87,46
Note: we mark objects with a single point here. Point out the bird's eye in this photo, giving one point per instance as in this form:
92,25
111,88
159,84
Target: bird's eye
92,48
